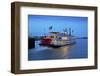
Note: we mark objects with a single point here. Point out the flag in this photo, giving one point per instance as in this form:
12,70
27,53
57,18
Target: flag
50,27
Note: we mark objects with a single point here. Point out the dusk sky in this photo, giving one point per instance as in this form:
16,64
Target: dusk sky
38,25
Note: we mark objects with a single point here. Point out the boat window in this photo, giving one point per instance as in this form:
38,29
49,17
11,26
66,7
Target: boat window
60,38
52,36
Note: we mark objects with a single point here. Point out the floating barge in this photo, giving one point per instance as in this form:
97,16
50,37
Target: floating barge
31,43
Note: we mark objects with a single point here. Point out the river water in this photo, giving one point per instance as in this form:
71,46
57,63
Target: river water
75,51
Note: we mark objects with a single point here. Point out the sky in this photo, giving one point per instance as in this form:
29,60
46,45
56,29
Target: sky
38,25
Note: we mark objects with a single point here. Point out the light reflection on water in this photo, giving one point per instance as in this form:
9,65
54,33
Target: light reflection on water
78,50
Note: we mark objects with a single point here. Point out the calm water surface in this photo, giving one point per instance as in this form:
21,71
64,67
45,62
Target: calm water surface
75,51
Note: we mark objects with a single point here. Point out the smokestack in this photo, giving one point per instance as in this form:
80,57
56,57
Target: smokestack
70,31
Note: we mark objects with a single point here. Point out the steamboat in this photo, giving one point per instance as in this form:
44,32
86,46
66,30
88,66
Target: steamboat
58,39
